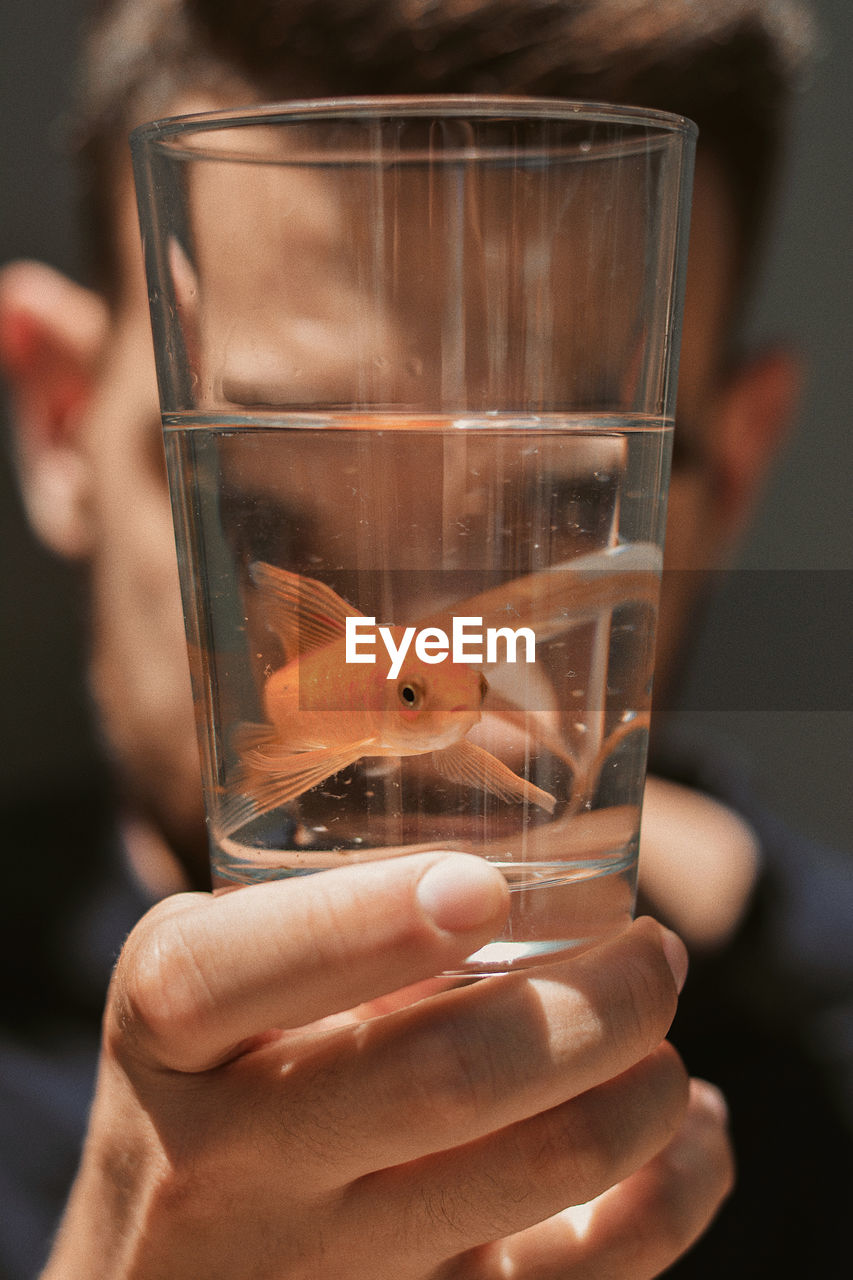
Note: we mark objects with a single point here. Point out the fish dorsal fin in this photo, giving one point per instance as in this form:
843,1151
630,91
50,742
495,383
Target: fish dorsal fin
304,613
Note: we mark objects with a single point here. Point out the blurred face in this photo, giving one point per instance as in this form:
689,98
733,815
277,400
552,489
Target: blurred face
139,672
139,667
697,522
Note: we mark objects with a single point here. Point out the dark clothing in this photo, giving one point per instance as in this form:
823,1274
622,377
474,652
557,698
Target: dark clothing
67,905
769,1019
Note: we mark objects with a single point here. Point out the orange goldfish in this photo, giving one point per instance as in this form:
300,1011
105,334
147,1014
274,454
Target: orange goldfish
324,713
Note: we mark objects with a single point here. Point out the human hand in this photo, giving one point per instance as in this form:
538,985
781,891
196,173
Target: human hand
705,900
255,1118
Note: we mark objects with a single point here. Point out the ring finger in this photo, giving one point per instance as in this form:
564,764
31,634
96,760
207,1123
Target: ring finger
499,1185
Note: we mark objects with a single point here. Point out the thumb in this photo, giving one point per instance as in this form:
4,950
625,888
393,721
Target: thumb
201,974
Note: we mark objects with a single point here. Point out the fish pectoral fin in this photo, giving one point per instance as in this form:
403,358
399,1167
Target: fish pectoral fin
464,762
305,614
269,778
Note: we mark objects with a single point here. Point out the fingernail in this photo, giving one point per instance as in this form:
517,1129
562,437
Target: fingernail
462,892
676,956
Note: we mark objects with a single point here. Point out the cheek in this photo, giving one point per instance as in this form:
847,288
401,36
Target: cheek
690,537
691,551
139,561
140,655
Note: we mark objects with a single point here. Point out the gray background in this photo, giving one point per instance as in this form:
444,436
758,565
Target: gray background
773,673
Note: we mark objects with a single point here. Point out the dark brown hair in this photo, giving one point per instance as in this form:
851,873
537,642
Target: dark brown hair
730,65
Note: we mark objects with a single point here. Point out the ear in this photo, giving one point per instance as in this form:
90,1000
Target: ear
753,416
52,333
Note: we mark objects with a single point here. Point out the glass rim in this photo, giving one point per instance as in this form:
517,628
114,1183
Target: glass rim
170,130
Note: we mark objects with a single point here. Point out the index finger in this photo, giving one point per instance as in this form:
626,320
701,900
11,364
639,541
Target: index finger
201,975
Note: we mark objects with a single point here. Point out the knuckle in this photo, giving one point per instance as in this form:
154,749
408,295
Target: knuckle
570,1147
159,991
646,1003
686,1203
683,1188
451,1075
601,1136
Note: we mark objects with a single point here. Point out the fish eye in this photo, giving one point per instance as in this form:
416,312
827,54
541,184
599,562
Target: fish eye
411,694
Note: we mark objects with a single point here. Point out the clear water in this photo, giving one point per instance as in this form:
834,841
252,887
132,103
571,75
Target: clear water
551,524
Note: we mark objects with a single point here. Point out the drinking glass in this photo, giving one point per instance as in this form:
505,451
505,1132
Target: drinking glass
417,369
